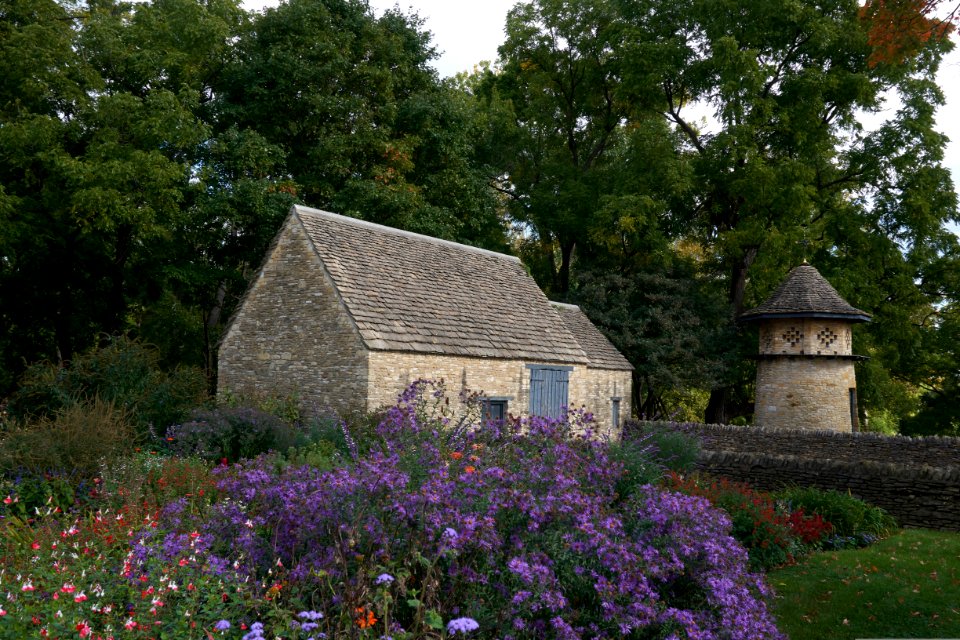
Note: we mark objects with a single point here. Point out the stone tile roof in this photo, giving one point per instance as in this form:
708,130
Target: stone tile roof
409,292
805,293
602,353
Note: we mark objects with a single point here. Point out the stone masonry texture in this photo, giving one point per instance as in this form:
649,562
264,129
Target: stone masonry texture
292,335
592,389
917,480
812,393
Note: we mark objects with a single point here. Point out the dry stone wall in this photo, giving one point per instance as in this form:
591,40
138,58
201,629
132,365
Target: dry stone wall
916,496
916,479
932,451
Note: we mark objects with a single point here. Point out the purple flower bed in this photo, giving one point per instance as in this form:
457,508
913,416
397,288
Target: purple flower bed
508,530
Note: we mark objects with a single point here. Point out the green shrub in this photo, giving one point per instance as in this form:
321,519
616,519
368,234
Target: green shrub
233,433
640,465
671,447
75,440
123,372
850,516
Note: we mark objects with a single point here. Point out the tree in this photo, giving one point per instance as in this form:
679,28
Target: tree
100,127
365,127
787,170
898,29
559,85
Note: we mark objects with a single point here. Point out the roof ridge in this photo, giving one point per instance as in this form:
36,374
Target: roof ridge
565,305
299,208
805,292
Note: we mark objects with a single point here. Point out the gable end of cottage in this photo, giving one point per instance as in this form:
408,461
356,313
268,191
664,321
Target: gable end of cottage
292,334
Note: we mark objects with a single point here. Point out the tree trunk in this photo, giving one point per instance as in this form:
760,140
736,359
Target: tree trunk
718,407
212,320
566,257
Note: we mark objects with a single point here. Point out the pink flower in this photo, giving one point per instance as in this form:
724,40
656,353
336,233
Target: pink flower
80,597
28,586
84,629
130,624
68,588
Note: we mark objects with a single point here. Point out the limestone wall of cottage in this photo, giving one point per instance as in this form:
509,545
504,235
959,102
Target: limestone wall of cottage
810,393
292,335
390,372
810,336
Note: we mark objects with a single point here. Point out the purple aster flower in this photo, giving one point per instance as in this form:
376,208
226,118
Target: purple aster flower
462,625
384,578
223,625
310,615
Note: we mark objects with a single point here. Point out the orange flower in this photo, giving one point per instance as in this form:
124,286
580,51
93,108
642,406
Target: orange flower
469,468
365,618
456,455
474,458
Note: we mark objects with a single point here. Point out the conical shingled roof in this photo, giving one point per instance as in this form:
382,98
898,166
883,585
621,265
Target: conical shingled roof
805,294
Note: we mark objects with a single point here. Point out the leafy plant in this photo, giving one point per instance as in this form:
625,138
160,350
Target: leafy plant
672,447
122,372
855,523
517,525
74,440
232,434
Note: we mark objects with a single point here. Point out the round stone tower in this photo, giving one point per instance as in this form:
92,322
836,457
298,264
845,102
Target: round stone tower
805,375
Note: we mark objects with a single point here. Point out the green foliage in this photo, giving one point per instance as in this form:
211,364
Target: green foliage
73,440
143,481
124,373
668,322
849,516
31,495
613,176
672,448
641,462
232,434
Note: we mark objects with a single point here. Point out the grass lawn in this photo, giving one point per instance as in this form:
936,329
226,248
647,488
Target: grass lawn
907,586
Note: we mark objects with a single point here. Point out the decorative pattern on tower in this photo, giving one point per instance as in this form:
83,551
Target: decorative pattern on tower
805,373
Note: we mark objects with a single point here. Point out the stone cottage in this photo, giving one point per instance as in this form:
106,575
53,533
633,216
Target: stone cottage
346,313
805,369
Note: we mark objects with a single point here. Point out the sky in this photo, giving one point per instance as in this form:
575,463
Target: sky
466,32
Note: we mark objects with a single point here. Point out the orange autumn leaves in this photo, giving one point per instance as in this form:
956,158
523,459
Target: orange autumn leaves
898,29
